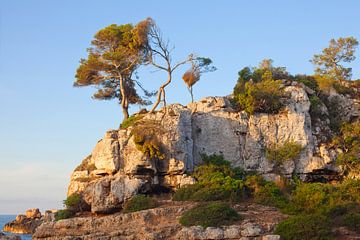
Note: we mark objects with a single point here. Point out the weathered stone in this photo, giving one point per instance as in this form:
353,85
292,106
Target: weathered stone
232,232
108,194
214,233
271,237
9,237
33,213
251,230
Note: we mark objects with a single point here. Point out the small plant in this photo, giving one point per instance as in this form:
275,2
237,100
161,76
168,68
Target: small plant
185,193
63,214
352,221
138,203
214,214
146,138
131,121
305,227
265,192
315,106
279,154
86,165
73,202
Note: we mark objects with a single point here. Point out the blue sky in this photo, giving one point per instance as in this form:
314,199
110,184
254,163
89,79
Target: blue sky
47,127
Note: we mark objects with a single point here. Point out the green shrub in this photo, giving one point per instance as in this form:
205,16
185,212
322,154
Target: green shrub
63,214
311,198
185,193
131,121
210,215
349,141
352,221
73,202
146,138
308,81
264,96
315,106
341,89
305,227
139,202
265,192
86,165
217,180
279,154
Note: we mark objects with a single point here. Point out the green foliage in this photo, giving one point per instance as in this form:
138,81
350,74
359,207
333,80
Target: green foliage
210,215
352,221
342,89
86,165
186,193
130,121
263,97
315,106
217,180
73,201
329,62
279,154
305,227
140,202
257,89
146,138
349,141
308,81
265,192
63,214
310,198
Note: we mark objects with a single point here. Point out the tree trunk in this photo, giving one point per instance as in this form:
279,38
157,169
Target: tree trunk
191,93
124,100
161,93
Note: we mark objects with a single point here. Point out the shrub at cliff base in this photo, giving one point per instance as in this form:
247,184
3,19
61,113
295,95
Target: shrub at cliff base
213,214
265,192
217,180
140,202
352,221
73,202
64,214
305,227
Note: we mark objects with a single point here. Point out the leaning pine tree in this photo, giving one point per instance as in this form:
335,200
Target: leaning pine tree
116,52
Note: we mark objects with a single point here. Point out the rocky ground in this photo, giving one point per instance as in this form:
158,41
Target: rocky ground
162,223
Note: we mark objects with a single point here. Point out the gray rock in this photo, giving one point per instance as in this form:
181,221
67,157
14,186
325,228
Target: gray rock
271,237
251,230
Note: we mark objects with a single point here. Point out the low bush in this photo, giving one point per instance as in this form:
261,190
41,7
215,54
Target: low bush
352,221
217,180
73,202
308,81
139,202
310,198
131,121
86,165
265,192
315,107
214,214
279,154
63,214
264,97
186,193
146,138
305,227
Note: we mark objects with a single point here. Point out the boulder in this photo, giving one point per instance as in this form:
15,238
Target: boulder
33,213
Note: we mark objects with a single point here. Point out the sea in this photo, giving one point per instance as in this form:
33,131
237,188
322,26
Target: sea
8,218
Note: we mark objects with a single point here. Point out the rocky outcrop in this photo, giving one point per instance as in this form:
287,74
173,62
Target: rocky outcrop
9,237
162,223
121,165
25,224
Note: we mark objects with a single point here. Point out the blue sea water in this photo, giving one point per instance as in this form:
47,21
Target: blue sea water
8,218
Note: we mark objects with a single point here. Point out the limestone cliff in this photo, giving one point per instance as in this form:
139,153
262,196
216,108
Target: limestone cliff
121,165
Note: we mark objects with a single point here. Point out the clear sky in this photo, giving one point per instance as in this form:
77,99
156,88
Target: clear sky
47,127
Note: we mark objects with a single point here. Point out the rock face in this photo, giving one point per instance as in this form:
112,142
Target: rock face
161,223
25,224
121,166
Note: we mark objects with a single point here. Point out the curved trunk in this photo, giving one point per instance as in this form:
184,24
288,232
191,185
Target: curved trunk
160,94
